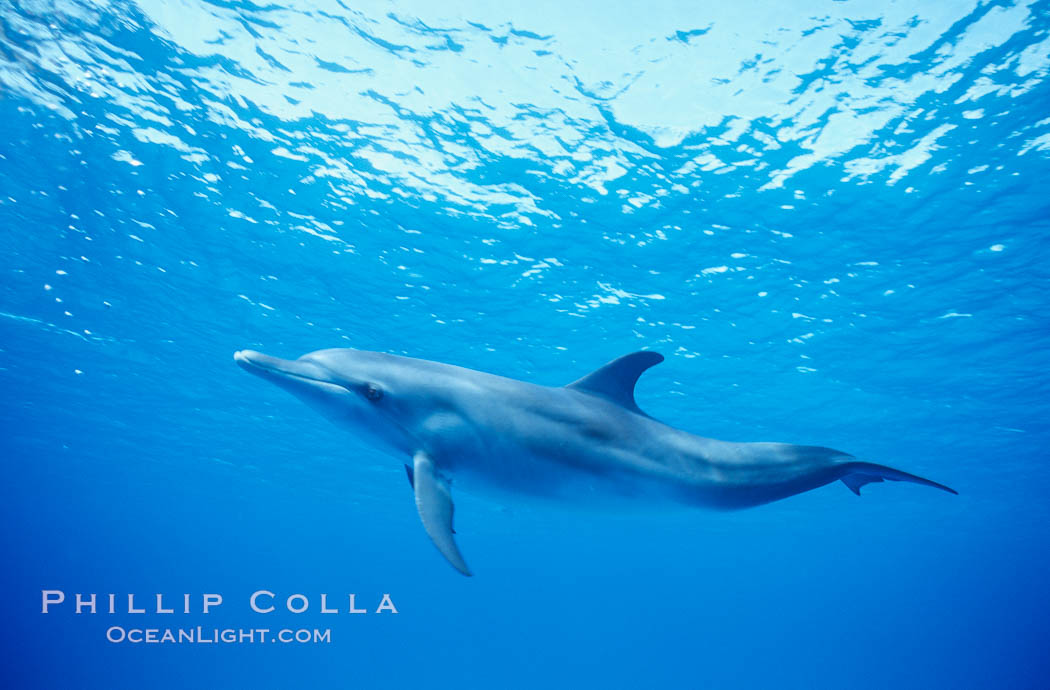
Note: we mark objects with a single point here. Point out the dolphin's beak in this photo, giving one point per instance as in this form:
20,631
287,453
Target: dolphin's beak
287,373
257,362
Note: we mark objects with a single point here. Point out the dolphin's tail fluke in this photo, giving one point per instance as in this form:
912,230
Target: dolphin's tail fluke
857,474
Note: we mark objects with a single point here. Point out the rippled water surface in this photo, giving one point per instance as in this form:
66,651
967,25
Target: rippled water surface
831,218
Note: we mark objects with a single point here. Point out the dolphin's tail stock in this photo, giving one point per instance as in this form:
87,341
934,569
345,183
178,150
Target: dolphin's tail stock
857,474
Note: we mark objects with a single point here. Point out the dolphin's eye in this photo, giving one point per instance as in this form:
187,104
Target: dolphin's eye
373,392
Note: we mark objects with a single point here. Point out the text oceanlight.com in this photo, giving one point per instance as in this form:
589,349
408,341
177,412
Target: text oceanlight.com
202,635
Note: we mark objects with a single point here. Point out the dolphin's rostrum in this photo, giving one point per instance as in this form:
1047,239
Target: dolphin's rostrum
584,441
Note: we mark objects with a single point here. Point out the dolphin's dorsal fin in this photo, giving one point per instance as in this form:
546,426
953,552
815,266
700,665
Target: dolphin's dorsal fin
616,380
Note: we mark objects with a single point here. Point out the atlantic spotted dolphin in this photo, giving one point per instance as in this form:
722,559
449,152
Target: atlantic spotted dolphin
586,441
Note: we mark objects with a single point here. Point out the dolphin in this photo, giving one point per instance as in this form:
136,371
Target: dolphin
584,442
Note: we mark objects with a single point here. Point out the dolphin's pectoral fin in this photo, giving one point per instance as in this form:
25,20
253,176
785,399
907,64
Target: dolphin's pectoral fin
434,503
412,483
616,380
855,481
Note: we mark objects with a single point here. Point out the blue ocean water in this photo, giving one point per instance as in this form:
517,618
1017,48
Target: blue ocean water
831,218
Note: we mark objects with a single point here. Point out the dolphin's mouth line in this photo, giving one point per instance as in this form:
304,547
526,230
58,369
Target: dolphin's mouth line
249,362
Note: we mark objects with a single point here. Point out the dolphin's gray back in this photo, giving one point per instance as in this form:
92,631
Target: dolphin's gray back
557,441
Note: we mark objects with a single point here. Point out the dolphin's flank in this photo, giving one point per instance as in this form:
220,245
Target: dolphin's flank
585,442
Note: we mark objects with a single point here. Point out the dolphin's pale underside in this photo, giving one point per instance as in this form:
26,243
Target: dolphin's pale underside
587,441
